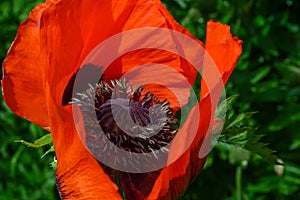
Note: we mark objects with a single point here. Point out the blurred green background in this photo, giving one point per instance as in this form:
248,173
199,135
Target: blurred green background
266,78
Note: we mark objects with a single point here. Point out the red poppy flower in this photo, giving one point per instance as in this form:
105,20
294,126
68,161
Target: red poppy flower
49,50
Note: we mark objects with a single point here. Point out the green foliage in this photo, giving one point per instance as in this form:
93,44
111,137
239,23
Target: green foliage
41,142
24,174
237,133
44,140
266,78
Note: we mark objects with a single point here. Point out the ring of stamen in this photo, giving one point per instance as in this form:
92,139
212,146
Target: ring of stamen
129,119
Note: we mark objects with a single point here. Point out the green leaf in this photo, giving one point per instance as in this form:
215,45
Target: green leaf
246,138
48,151
53,164
237,133
44,140
181,3
238,120
260,74
225,105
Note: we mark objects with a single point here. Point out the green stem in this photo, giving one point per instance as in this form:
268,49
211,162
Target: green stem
238,182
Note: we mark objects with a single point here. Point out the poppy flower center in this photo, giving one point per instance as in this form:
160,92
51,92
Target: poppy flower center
129,119
130,112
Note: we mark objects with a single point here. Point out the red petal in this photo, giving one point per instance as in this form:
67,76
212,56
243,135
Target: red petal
23,87
79,175
175,178
162,72
224,50
69,33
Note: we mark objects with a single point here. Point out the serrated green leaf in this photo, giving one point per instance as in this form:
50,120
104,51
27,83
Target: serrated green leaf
237,133
238,120
225,105
44,140
247,139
